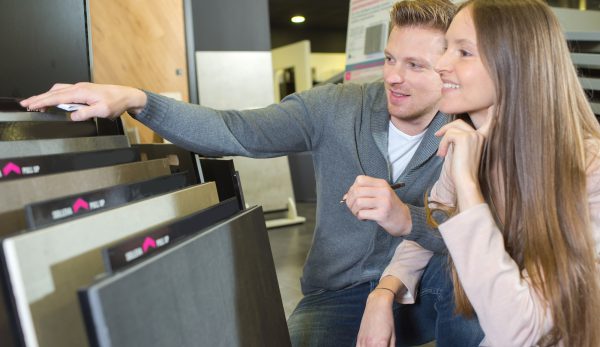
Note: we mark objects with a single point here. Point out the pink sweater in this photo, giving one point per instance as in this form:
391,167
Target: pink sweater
510,311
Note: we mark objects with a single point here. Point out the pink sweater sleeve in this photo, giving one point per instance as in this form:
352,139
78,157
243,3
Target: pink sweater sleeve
407,265
510,311
410,259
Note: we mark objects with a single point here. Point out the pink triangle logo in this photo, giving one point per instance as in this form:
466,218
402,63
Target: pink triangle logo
80,204
148,243
11,167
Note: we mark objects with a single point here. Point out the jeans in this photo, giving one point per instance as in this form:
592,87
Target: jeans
332,318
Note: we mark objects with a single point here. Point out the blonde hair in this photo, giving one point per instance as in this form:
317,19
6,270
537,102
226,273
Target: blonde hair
434,14
537,154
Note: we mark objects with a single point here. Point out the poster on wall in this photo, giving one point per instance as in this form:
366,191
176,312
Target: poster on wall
368,22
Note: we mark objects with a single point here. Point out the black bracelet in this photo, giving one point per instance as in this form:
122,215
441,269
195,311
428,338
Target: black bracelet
388,289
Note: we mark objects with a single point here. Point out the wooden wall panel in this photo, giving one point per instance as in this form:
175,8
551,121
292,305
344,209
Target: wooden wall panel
140,43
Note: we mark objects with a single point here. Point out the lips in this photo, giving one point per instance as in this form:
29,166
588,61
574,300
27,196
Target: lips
398,94
397,97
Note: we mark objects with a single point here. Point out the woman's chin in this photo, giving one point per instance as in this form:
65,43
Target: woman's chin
452,109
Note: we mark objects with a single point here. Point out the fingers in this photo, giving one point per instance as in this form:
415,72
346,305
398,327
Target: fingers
31,101
377,208
367,181
361,182
448,140
357,189
58,94
455,136
453,127
50,98
366,197
373,214
358,207
453,130
369,198
457,124
87,112
368,341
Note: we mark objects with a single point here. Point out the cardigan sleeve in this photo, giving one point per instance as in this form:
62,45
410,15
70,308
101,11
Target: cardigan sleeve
293,125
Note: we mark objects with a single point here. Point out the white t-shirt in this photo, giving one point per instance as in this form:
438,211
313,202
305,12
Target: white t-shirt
401,148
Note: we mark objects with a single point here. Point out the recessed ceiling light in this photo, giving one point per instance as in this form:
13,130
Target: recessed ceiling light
298,19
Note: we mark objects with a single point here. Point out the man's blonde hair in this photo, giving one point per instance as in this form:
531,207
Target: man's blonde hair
434,14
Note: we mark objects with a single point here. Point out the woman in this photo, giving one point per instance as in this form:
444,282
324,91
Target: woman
524,188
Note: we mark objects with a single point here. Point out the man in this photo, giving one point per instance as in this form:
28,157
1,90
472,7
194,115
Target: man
361,136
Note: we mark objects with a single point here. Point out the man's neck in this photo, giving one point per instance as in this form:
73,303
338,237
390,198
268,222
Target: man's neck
414,126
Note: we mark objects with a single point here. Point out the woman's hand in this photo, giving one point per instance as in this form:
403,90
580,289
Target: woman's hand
104,101
377,324
466,145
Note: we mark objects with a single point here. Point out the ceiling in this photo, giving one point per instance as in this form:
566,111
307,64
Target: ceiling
325,25
326,21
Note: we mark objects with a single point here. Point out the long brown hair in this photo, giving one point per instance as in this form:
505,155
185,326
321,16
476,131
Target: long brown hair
533,171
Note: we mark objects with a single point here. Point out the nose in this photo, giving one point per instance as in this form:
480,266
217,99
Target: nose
443,64
393,74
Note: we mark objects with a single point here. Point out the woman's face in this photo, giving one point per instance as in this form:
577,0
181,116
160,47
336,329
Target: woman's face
467,86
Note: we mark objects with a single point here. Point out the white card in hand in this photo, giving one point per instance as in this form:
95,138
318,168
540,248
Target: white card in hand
70,107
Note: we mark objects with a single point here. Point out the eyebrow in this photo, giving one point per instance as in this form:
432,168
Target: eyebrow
464,41
421,61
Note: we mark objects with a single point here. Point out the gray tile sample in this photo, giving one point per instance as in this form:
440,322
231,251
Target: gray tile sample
180,159
147,243
47,266
45,213
33,130
27,167
28,148
29,190
34,116
18,193
218,288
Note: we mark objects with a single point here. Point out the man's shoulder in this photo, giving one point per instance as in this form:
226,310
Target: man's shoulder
374,87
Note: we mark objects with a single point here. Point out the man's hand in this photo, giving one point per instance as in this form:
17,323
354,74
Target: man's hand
372,199
104,101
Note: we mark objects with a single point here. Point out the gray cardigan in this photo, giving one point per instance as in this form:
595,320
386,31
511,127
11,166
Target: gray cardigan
346,128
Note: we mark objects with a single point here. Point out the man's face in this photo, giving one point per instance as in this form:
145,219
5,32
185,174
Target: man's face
413,88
